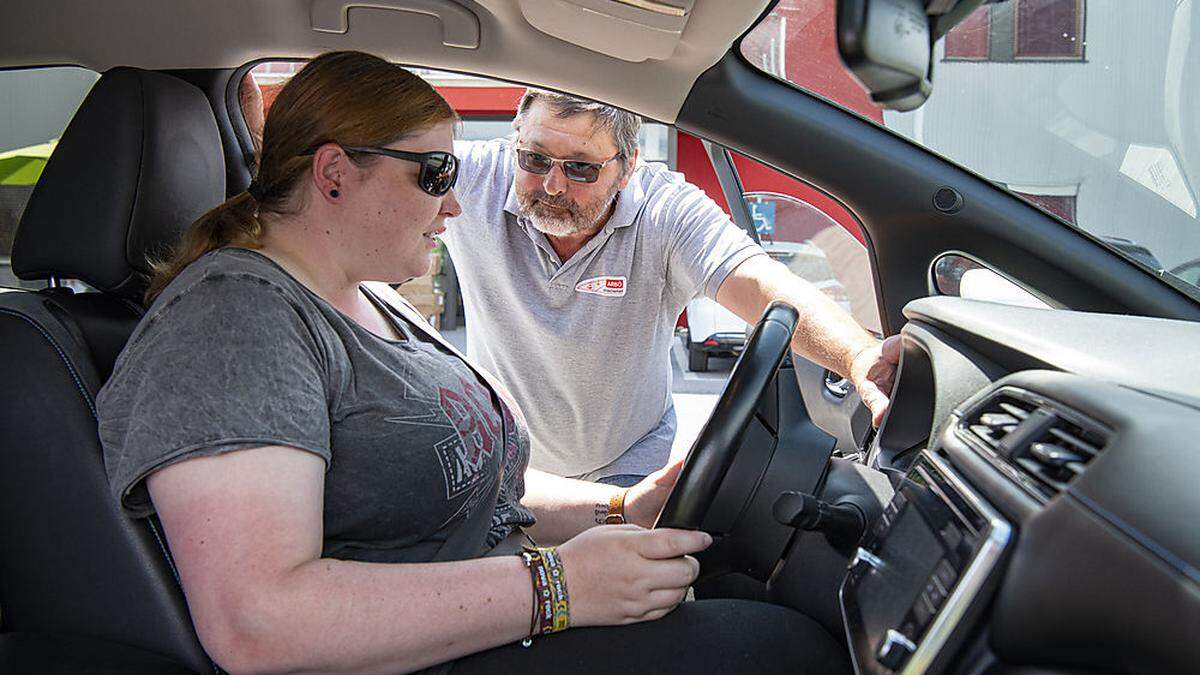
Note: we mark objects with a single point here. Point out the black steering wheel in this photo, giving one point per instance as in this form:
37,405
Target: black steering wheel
712,454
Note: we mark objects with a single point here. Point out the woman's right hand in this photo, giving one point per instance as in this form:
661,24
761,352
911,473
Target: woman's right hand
620,574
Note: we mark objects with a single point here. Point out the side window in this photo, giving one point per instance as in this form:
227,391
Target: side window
35,106
810,233
486,108
656,143
814,236
257,93
818,249
484,129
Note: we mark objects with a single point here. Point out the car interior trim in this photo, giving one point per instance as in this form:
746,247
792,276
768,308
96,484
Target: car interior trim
1158,550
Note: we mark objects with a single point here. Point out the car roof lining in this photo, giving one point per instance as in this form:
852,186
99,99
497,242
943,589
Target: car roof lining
42,32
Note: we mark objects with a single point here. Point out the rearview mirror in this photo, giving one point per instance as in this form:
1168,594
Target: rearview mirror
888,45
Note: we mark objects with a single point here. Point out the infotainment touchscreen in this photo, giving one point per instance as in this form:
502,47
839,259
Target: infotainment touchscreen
885,598
934,547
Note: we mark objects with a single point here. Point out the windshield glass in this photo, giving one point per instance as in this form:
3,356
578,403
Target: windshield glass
1085,108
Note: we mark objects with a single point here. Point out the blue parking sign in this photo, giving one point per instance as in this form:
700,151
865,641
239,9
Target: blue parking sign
763,215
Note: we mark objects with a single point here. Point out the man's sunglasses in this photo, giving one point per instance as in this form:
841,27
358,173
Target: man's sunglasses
439,170
574,170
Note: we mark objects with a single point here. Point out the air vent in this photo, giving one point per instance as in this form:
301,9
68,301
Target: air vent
1046,443
1060,454
998,418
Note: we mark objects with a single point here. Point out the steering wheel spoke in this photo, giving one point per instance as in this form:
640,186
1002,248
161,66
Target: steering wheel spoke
713,453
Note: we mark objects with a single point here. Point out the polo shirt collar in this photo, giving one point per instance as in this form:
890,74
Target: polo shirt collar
511,204
629,203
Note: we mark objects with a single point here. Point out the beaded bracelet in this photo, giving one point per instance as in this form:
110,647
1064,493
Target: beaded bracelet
551,606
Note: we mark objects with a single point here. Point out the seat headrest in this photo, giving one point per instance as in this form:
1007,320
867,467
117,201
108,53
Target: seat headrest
139,162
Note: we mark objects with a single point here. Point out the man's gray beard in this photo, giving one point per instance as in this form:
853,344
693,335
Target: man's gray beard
556,227
581,223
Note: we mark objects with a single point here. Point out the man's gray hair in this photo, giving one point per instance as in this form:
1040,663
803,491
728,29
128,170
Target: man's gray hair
623,125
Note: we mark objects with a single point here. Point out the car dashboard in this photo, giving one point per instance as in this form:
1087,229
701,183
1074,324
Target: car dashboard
1044,514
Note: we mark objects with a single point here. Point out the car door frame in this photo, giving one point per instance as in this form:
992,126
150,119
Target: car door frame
831,401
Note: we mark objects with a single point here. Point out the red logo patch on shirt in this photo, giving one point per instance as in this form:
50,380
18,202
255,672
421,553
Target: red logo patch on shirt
609,287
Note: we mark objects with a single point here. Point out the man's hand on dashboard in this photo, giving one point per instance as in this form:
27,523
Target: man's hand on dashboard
872,374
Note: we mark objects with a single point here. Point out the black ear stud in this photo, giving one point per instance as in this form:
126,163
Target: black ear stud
334,194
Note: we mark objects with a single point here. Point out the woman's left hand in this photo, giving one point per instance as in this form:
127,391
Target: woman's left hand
646,499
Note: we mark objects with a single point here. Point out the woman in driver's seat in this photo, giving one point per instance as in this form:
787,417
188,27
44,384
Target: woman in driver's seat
336,485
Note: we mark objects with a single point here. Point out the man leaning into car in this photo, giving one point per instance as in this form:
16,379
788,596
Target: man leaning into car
574,262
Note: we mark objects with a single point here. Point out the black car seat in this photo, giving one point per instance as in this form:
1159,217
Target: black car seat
138,163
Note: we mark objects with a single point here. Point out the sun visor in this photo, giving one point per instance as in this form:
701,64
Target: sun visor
631,30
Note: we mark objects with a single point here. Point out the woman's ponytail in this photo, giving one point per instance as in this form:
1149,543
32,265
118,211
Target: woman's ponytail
233,223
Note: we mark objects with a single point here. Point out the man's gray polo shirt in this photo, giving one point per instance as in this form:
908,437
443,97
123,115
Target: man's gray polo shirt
584,346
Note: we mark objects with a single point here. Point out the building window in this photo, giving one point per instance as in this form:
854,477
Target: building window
1057,200
1048,29
970,40
1062,206
1020,30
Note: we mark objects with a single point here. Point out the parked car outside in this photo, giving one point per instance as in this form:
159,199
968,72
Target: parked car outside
710,330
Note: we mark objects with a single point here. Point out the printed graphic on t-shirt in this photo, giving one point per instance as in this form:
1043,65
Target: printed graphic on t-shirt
465,458
609,287
472,444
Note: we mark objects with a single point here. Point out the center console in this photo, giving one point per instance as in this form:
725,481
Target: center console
922,573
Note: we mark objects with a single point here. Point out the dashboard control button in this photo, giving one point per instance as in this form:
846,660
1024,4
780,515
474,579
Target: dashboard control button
896,505
894,650
935,594
864,557
882,524
940,586
951,535
922,612
946,574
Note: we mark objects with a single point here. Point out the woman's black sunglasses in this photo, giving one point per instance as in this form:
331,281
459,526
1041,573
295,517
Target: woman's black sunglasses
439,170
574,170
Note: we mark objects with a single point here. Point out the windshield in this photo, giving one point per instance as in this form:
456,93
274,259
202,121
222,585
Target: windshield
1085,108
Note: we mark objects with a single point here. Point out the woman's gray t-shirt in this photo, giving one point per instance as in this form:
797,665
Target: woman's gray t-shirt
424,462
